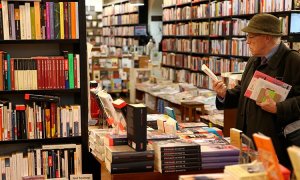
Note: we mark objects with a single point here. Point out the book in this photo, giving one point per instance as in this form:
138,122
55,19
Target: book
235,137
137,126
294,154
267,156
215,176
208,72
261,84
115,139
124,154
35,97
192,124
140,166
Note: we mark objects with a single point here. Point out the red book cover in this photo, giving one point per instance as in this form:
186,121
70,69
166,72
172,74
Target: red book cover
62,75
12,73
53,72
39,69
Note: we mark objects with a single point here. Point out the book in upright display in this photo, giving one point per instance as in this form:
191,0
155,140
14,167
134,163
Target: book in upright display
137,126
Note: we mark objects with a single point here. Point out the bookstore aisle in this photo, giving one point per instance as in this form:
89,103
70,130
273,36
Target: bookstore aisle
152,108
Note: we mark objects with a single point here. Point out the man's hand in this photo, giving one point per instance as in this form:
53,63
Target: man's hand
268,105
220,88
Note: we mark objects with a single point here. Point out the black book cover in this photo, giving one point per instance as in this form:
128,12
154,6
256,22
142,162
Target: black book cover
123,154
137,126
143,166
56,21
1,24
71,162
21,122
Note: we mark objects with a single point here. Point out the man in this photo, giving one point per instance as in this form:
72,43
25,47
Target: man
269,55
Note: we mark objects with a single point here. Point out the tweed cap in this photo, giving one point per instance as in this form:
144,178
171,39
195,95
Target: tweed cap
264,24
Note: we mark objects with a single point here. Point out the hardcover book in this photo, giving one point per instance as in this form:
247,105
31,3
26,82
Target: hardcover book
124,153
137,126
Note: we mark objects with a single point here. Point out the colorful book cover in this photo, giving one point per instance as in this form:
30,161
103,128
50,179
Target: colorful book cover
276,88
267,156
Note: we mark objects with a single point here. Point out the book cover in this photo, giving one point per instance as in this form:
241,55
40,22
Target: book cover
267,156
215,150
192,124
294,154
262,83
137,126
124,153
141,166
115,139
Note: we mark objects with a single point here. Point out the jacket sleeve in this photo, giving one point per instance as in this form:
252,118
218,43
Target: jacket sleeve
231,98
289,110
233,95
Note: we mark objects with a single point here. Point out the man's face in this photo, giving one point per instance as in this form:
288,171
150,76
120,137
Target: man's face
257,44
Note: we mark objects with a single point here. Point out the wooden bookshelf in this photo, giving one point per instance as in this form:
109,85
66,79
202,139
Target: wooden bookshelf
119,21
186,27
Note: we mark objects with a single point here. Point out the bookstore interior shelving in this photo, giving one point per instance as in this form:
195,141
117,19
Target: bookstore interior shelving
205,31
120,22
94,26
43,56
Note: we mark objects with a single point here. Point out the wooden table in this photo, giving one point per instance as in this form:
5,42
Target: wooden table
188,109
105,175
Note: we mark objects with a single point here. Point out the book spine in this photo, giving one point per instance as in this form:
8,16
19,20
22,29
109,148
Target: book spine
1,24
57,21
71,70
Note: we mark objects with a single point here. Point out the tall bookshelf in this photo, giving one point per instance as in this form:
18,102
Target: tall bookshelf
119,21
197,32
45,44
94,26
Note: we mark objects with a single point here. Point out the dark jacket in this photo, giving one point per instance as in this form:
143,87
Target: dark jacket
251,118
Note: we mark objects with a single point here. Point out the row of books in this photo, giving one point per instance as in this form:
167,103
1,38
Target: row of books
40,72
39,121
176,2
275,6
119,9
118,41
240,47
121,19
218,28
216,64
39,20
119,31
225,8
197,79
55,161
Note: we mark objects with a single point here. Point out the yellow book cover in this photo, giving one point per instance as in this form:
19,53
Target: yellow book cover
61,19
37,16
294,153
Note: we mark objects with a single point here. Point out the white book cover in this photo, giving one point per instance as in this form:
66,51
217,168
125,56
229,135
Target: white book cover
27,21
22,25
58,146
25,164
5,19
66,162
38,162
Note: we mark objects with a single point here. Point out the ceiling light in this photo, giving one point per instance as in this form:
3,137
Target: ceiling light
137,2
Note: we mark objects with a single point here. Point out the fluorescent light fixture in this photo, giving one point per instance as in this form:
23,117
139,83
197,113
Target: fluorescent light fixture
137,2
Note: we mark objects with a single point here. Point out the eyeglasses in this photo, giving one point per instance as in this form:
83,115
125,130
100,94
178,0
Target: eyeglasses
248,36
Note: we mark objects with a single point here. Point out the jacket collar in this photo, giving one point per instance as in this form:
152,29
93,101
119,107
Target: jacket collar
278,56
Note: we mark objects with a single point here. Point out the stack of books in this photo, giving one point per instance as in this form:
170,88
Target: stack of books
176,156
96,142
124,159
216,154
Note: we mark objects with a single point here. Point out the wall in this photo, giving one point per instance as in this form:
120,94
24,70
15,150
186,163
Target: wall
155,27
98,4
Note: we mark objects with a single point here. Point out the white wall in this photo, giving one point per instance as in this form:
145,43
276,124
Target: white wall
155,27
97,3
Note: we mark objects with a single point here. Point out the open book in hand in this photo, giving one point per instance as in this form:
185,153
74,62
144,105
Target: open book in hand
207,71
262,84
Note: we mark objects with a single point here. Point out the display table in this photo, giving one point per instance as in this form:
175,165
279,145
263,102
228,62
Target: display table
105,175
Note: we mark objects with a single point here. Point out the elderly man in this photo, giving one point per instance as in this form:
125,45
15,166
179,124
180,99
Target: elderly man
272,57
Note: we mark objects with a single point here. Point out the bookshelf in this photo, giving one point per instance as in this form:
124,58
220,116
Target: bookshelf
206,31
119,22
94,26
44,44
